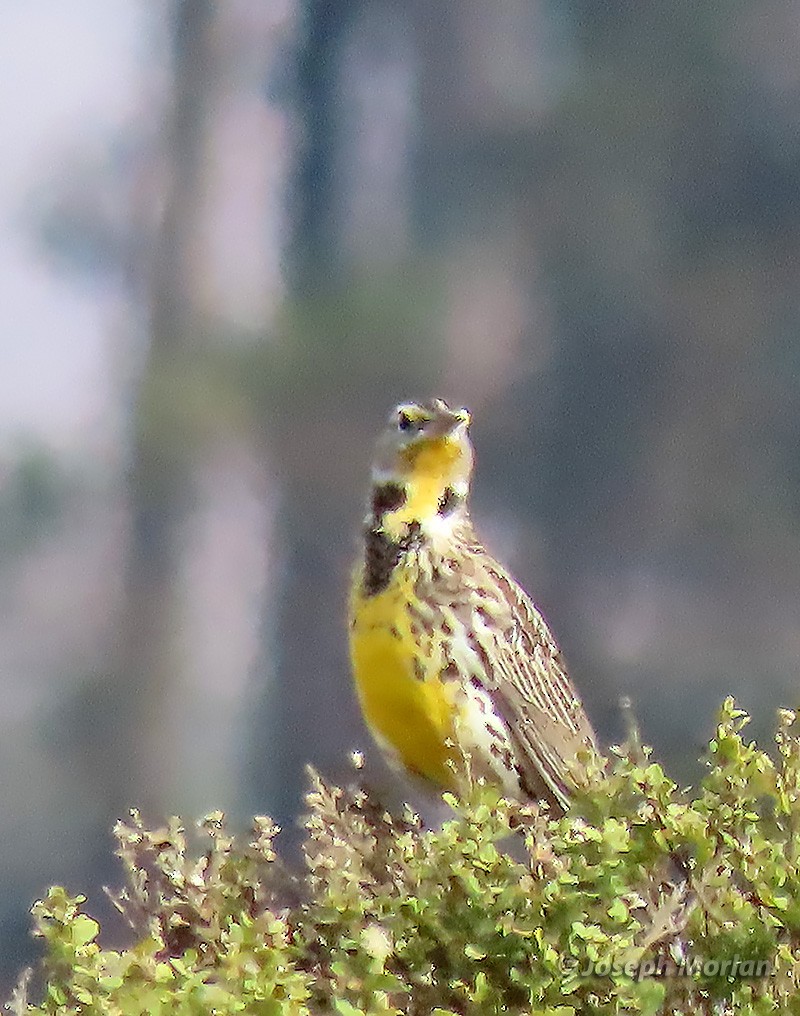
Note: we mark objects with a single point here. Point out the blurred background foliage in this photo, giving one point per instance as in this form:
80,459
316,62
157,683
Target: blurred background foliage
580,219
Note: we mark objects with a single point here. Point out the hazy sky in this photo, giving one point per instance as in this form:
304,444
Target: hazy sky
70,77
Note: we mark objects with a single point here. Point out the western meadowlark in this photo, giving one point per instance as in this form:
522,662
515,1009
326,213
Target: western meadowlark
451,659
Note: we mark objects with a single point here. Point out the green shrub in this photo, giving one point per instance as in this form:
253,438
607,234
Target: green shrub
644,899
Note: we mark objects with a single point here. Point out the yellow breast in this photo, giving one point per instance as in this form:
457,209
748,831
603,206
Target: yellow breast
408,708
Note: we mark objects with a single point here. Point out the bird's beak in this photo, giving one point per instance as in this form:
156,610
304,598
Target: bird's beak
449,421
457,421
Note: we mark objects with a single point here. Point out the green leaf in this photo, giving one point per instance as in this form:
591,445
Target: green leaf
83,930
345,1008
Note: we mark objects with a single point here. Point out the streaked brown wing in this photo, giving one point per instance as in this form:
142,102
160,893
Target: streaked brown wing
526,678
544,748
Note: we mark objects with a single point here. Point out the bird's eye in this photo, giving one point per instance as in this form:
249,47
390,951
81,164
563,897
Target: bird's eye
404,421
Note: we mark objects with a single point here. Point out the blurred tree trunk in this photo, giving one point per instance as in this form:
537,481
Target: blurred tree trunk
299,692
159,488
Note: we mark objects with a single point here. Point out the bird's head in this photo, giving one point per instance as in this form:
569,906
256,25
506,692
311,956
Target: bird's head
423,462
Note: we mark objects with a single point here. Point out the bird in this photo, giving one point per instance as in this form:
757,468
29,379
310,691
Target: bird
457,673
